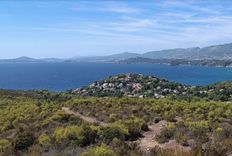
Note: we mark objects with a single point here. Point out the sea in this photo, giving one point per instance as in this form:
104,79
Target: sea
69,75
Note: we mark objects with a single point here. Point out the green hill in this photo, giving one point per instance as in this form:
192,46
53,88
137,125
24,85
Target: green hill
186,120
142,86
132,85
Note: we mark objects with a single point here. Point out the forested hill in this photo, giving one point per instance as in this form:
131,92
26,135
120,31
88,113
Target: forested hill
218,52
142,86
133,85
177,62
214,52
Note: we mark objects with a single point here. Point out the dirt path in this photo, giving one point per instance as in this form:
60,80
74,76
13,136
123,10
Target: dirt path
148,142
85,118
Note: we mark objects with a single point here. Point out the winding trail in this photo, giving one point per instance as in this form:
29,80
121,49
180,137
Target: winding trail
147,142
85,118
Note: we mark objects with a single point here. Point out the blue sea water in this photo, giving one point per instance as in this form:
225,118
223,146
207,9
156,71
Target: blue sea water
64,76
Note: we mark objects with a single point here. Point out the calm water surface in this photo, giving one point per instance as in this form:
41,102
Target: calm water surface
64,76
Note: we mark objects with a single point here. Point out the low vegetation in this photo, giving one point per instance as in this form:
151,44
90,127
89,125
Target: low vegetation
33,123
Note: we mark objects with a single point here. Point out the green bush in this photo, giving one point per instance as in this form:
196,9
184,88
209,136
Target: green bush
102,150
198,127
169,116
23,141
81,136
3,144
116,130
44,140
135,127
88,134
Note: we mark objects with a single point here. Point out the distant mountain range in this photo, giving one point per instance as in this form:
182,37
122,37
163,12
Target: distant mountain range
178,62
216,52
109,58
20,59
25,59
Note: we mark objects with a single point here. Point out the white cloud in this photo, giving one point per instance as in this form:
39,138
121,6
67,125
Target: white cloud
175,3
121,9
154,28
212,20
131,25
108,6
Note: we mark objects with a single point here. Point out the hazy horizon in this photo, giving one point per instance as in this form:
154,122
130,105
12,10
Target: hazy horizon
105,54
65,29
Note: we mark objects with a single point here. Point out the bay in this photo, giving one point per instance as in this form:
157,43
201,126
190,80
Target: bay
64,76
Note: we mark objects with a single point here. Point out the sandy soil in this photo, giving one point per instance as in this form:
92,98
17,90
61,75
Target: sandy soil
148,142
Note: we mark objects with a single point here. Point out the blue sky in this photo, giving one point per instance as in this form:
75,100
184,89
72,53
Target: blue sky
70,28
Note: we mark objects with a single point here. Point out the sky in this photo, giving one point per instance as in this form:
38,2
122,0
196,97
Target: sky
72,28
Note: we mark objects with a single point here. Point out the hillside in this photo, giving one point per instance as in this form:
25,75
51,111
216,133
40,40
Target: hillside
142,86
44,123
132,85
215,52
25,59
180,53
20,60
177,62
109,58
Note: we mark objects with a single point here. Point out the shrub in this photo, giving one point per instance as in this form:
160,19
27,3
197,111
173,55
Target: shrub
102,150
182,138
169,116
74,120
198,130
164,135
156,151
59,134
88,134
81,136
227,143
3,144
113,117
35,150
198,127
156,119
60,116
219,131
44,140
135,127
116,130
23,141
